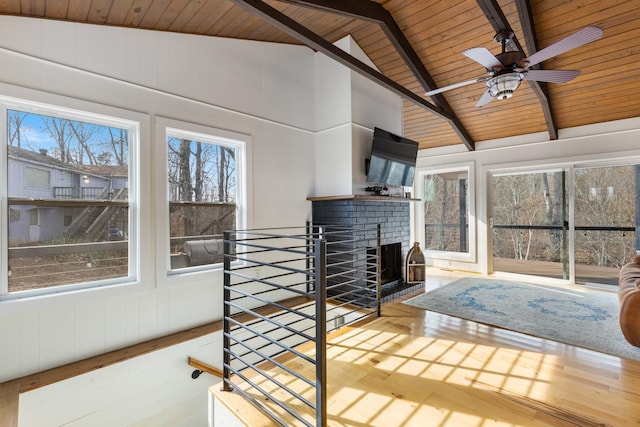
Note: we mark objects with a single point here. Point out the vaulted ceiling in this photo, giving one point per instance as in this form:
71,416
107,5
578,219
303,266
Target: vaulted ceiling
417,46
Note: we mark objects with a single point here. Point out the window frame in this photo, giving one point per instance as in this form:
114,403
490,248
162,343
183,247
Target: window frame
164,128
71,109
421,173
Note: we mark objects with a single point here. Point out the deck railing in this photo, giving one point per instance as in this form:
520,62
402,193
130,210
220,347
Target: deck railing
311,280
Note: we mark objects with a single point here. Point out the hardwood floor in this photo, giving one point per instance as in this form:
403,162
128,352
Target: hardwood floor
417,368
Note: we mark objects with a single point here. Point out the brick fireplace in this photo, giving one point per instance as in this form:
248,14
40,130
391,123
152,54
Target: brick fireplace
394,217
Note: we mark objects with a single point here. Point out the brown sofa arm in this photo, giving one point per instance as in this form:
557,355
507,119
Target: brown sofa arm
629,297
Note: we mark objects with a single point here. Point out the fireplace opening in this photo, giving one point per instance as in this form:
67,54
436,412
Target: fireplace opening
392,284
390,263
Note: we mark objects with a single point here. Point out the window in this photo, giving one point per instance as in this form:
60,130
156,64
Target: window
37,178
446,212
34,218
14,215
203,172
68,197
68,216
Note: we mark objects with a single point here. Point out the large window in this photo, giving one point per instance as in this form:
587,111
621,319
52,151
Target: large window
68,199
578,223
203,190
529,217
606,220
446,212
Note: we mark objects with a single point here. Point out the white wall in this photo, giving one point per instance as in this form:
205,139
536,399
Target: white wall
333,163
348,107
259,90
152,391
601,144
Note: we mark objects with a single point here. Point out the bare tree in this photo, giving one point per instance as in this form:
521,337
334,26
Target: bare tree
514,203
442,213
118,143
184,162
226,172
83,133
16,119
198,173
60,132
605,197
554,211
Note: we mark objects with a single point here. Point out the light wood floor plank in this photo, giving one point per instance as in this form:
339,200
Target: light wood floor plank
417,368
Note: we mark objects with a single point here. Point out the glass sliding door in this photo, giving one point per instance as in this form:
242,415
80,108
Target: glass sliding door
579,223
606,217
529,222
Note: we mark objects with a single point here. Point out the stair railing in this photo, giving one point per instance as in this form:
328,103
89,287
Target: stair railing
284,289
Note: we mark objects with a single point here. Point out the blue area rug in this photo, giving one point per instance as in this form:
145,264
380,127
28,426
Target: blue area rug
582,318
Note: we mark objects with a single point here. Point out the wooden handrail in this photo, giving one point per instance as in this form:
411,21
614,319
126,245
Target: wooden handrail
9,395
204,367
10,390
61,373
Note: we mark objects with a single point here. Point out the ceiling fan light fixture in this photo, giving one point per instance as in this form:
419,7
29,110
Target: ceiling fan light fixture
503,85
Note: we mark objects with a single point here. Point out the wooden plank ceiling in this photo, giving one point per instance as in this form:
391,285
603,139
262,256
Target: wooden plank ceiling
417,45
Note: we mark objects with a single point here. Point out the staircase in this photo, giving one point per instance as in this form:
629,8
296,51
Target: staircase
95,222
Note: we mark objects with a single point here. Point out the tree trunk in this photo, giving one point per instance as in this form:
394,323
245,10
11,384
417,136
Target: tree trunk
199,187
186,189
553,212
222,175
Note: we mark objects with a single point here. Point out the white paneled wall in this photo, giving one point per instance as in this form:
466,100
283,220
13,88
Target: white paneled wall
154,390
261,90
348,107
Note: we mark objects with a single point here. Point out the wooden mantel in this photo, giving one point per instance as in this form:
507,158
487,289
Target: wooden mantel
363,197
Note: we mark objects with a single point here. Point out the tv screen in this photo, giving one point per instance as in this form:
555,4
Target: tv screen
393,159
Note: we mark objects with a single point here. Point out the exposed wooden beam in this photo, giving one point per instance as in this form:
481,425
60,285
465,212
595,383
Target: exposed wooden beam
498,21
540,89
313,40
358,9
375,12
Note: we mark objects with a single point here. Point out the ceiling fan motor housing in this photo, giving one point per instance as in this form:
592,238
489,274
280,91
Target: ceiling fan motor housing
511,60
502,86
506,80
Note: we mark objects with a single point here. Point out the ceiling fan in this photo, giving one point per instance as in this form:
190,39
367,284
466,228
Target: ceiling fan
506,70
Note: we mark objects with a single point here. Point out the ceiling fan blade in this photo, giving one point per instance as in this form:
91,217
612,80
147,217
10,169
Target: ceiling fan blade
484,99
482,56
456,85
582,37
551,76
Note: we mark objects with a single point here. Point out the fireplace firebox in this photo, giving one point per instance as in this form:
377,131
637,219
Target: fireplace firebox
390,263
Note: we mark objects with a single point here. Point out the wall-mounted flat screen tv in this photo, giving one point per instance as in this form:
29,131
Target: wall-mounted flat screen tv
393,159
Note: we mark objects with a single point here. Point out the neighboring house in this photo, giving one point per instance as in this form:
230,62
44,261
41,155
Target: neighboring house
36,175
